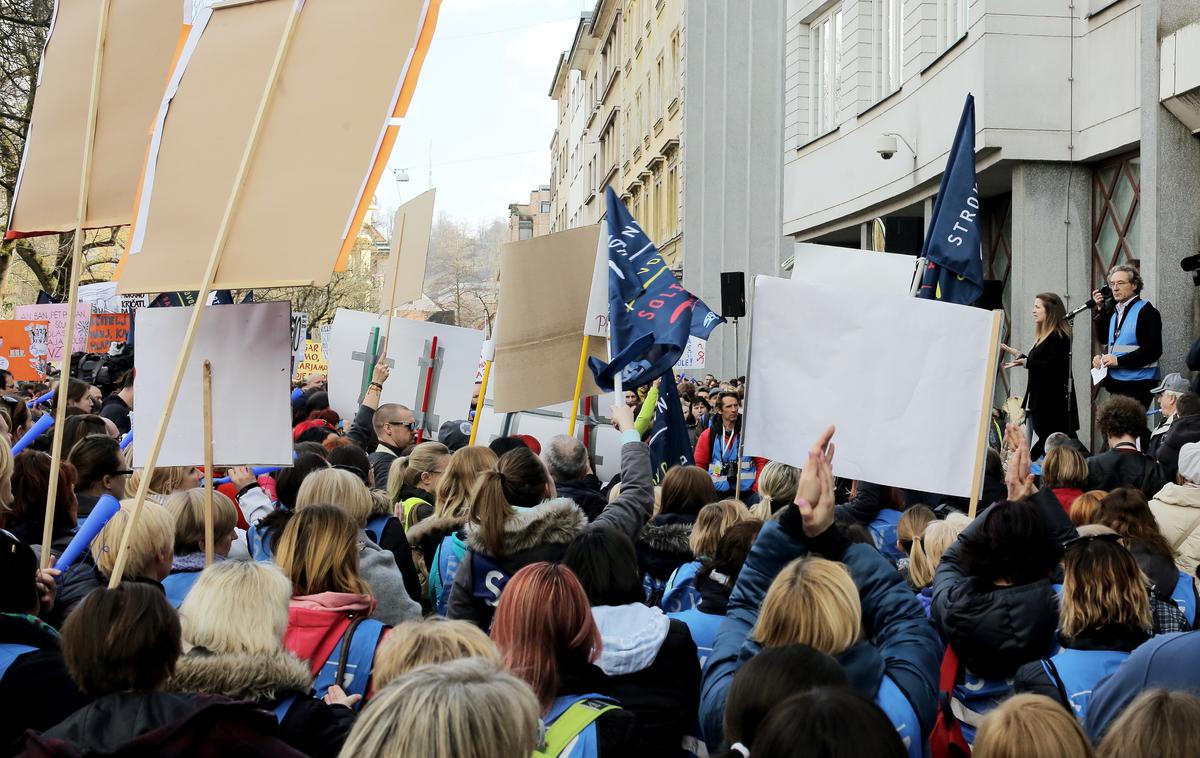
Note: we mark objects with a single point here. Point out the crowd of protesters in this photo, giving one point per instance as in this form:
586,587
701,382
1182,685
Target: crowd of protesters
393,596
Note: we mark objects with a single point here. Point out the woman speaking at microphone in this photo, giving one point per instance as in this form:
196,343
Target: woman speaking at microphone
1050,399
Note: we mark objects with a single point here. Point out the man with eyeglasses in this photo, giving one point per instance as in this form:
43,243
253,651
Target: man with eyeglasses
1132,335
389,427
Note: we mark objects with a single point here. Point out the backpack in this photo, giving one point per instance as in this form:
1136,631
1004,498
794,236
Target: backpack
375,526
883,530
349,664
570,727
947,740
446,560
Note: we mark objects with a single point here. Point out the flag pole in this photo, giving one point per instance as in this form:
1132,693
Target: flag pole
487,371
745,396
208,466
985,413
583,354
64,372
210,273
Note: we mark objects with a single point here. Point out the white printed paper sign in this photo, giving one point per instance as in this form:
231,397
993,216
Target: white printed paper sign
299,337
693,354
56,314
251,353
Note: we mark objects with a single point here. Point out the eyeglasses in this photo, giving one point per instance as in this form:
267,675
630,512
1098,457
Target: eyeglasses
1078,542
1119,284
409,425
121,472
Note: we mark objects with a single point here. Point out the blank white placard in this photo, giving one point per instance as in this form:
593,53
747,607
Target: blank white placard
250,347
856,269
902,378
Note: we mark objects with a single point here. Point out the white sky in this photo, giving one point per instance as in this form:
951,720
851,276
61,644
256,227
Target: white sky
482,101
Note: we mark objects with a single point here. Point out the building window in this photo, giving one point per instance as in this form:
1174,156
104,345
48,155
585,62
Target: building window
954,21
825,50
1116,197
526,229
889,46
545,206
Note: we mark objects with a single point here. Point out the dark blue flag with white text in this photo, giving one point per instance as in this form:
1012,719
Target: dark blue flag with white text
954,261
651,314
670,445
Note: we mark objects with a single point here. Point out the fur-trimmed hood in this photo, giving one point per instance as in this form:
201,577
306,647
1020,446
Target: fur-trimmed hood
554,522
424,529
668,534
258,676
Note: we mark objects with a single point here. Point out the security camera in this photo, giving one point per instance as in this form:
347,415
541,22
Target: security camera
886,146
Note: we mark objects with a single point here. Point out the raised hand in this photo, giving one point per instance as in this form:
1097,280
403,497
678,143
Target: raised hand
1018,479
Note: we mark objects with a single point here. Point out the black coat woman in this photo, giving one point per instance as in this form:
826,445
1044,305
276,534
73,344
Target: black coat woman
1050,399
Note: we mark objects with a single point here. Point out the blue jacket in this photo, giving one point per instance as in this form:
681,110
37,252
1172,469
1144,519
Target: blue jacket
906,649
1169,661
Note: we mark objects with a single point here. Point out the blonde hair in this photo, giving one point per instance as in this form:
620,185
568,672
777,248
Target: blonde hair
711,523
1158,723
336,487
237,607
1064,467
453,494
912,524
812,602
1084,507
318,551
468,708
434,640
164,481
153,535
928,549
1030,726
407,470
1102,584
187,508
6,460
777,484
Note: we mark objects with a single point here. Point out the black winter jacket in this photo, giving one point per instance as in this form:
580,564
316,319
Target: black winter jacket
663,545
1183,430
36,690
1125,467
585,493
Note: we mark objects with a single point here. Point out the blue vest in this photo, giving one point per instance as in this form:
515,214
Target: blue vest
9,653
1184,596
749,472
883,529
178,585
489,579
892,701
980,696
285,705
1125,341
587,743
446,560
1076,672
680,593
703,626
258,542
375,526
359,660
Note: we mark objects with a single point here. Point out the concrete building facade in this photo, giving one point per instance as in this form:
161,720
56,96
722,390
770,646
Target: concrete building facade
532,219
620,119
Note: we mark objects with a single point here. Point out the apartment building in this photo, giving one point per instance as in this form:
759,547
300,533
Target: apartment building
532,219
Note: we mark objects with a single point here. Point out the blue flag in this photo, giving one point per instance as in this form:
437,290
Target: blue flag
651,315
670,445
188,298
952,245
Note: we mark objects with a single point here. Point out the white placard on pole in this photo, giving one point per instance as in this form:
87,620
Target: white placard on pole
855,269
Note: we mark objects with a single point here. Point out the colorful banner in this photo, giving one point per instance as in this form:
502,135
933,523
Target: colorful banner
23,349
314,361
693,354
56,314
107,328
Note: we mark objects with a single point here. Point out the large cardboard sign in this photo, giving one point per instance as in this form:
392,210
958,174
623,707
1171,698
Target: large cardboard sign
250,350
415,219
106,329
410,353
139,44
346,74
857,269
544,288
56,315
903,379
314,361
23,349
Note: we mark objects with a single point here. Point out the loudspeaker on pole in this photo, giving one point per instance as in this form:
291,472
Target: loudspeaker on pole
733,294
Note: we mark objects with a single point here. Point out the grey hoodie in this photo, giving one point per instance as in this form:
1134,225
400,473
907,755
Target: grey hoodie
378,568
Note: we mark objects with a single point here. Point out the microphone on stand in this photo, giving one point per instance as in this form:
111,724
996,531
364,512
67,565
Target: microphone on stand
1106,291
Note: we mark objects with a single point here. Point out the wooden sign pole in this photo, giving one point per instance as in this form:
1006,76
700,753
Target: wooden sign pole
208,466
985,414
64,375
387,334
583,354
210,272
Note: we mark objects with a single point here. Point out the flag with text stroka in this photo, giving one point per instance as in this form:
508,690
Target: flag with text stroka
651,314
954,261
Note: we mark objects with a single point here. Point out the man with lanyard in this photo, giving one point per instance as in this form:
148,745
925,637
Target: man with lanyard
1132,335
717,450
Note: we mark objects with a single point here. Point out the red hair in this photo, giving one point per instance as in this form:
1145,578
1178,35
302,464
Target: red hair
544,620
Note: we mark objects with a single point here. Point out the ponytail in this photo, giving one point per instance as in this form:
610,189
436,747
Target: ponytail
920,572
407,471
490,510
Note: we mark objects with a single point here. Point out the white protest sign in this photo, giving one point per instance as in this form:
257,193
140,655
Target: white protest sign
299,337
596,324
324,331
693,354
856,269
408,353
903,379
250,349
102,296
56,314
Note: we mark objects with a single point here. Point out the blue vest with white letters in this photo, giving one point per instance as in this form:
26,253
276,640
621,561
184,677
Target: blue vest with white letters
729,455
1079,671
1124,342
1184,596
703,626
489,579
359,661
883,530
681,594
892,701
178,585
979,696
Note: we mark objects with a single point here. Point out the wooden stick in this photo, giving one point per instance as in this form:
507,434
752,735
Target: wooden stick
583,354
487,371
208,466
210,272
387,334
64,373
985,415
